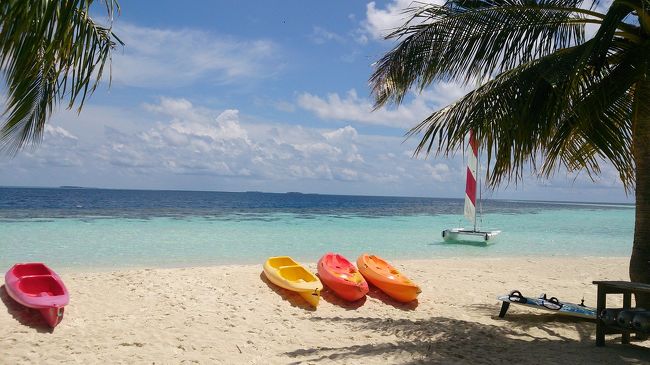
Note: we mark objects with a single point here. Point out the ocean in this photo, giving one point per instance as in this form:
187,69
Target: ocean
103,229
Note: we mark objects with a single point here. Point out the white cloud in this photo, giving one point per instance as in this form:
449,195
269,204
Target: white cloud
167,58
320,35
170,106
380,22
353,108
360,36
193,141
189,140
440,172
176,144
348,174
58,132
58,148
345,133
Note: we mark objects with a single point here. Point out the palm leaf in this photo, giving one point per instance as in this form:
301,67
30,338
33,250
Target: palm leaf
462,41
49,51
517,118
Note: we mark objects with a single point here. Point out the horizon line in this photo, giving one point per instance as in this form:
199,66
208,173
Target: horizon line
73,187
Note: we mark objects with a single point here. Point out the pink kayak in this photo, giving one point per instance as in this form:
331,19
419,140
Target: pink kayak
35,285
342,277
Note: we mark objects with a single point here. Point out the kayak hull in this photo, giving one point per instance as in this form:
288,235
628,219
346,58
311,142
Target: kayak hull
342,277
388,279
53,315
35,285
286,273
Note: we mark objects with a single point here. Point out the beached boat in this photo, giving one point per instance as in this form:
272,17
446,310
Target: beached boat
387,278
342,277
286,273
471,184
36,286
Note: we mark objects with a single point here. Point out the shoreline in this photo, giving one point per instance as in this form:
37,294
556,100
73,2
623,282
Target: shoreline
312,263
232,314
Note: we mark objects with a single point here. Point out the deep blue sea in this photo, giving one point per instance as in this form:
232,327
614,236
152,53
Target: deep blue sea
86,228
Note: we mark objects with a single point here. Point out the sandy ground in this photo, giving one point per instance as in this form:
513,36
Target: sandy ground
233,315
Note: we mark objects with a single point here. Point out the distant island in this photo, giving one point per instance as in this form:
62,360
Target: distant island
74,187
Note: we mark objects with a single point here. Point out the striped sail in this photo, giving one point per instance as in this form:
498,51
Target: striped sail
470,184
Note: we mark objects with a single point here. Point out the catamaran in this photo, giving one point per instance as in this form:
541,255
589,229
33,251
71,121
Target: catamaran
460,234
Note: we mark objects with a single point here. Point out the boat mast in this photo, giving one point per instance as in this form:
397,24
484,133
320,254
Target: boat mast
470,183
478,180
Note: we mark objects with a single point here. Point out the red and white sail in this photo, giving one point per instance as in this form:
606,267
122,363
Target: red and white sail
470,184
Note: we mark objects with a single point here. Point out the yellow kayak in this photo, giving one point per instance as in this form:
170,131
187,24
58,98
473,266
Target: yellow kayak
286,273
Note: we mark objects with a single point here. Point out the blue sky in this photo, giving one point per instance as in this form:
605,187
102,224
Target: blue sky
270,96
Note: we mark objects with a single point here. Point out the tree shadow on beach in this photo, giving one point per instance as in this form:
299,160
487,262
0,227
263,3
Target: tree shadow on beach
25,316
526,319
449,340
292,297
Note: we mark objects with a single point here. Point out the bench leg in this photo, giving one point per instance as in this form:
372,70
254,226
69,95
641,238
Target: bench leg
504,309
627,303
600,326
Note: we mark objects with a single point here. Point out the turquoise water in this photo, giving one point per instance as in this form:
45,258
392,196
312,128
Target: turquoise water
109,241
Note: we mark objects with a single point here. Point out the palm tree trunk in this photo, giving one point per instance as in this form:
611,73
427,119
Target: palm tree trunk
640,260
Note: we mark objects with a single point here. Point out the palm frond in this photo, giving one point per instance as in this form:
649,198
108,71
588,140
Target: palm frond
517,118
598,125
463,40
49,51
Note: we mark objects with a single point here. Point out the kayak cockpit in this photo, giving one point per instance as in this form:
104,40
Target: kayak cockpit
297,273
40,286
31,269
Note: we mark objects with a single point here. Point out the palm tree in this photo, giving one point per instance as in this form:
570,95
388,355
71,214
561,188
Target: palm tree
556,97
50,51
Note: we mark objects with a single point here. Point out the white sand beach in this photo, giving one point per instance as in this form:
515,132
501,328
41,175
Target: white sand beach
232,315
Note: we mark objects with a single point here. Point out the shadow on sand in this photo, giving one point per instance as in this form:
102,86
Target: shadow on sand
375,293
292,297
462,243
447,340
329,296
541,320
25,316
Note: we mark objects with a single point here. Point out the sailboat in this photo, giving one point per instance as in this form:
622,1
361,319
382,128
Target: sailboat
461,234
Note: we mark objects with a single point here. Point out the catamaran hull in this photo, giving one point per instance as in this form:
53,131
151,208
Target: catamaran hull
461,234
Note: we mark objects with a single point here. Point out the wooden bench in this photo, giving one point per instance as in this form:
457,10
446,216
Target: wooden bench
615,287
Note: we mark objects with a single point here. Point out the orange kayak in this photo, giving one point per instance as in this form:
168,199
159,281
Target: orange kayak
384,276
342,277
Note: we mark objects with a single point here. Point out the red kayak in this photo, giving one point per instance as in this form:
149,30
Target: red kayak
342,277
35,285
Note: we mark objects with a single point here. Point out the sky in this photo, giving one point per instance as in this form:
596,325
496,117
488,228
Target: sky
264,96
